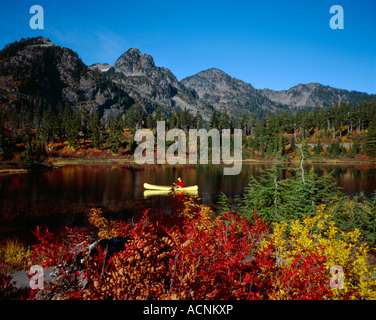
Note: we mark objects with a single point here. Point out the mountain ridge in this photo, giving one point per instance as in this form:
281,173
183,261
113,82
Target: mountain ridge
36,68
217,89
313,94
37,73
149,84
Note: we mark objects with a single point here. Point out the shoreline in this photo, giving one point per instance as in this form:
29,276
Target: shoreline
16,167
346,161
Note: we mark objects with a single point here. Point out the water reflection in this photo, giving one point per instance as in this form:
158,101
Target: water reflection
62,197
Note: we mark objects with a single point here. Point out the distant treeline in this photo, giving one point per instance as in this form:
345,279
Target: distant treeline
268,134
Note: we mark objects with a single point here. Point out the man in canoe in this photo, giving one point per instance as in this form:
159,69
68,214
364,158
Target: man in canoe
180,183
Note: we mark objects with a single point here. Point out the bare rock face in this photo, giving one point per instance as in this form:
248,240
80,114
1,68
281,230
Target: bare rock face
219,90
313,94
138,75
37,73
102,67
133,63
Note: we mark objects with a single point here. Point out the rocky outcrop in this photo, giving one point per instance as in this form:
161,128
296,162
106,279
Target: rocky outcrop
102,67
313,94
35,72
218,90
144,81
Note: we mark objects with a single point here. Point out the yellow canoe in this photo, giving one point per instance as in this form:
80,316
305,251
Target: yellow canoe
168,188
150,193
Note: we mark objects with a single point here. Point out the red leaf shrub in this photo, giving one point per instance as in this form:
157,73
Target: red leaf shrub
6,286
52,250
187,254
180,256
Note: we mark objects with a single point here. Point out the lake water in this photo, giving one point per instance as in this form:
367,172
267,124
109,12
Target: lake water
64,196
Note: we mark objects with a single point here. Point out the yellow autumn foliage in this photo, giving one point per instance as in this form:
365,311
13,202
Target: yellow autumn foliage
14,254
107,229
297,238
191,207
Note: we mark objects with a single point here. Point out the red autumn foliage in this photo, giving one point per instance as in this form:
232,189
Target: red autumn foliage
52,250
304,279
176,257
186,254
6,286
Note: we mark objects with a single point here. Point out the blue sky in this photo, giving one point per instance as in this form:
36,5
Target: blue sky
270,44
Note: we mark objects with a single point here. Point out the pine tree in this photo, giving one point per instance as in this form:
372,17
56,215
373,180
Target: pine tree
370,146
225,120
133,118
185,119
233,124
244,123
6,143
277,199
269,149
334,149
293,145
264,196
318,148
149,121
71,128
83,120
69,125
172,121
198,121
262,146
158,114
215,120
114,140
223,203
95,130
355,148
49,125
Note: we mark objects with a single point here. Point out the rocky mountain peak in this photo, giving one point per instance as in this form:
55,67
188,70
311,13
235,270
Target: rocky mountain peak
25,45
33,41
311,95
102,67
138,75
43,42
215,78
212,71
36,72
212,74
49,75
219,90
132,62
